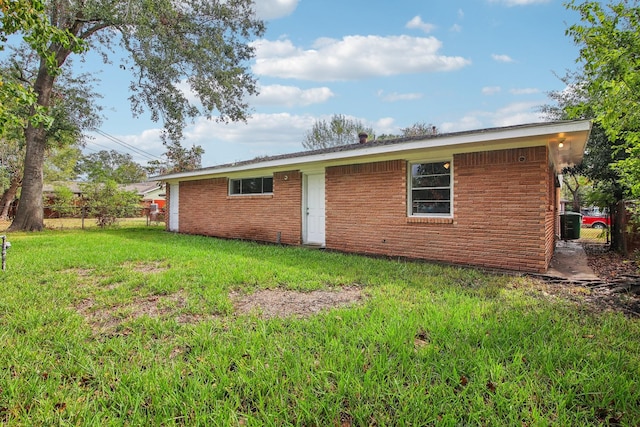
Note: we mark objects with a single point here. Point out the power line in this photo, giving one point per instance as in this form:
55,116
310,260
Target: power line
94,149
126,145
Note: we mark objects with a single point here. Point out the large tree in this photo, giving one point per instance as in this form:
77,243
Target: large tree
110,165
72,111
203,43
340,130
609,40
61,164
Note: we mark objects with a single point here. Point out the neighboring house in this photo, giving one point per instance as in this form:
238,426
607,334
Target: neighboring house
152,193
486,198
49,190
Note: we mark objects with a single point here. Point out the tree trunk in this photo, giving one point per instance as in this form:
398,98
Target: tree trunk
617,214
575,195
8,196
30,213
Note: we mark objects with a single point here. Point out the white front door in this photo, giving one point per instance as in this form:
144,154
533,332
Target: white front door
314,207
174,193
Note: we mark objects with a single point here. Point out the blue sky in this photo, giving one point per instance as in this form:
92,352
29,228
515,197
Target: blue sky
459,65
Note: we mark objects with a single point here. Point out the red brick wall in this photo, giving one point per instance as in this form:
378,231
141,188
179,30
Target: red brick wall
207,209
500,211
551,217
504,214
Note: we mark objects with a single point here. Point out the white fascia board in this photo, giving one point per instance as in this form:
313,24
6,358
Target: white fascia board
508,137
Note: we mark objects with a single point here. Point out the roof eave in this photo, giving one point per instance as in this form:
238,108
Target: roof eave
575,133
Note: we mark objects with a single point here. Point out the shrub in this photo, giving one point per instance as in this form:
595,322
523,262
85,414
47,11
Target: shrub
107,202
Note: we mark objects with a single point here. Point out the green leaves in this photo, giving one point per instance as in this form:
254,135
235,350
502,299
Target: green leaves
340,130
111,166
107,202
201,44
29,18
609,41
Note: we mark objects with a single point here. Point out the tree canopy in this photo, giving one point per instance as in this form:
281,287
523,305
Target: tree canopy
110,165
419,129
609,40
415,130
201,44
340,130
596,181
29,18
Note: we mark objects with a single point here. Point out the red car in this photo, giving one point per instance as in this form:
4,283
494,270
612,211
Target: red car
594,218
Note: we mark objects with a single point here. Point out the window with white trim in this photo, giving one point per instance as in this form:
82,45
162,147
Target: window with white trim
261,185
430,192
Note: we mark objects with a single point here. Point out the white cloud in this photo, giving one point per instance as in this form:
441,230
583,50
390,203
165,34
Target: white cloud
491,90
519,2
468,122
524,91
191,96
417,23
353,57
455,28
258,129
291,96
510,115
274,9
385,125
501,58
261,135
394,96
517,113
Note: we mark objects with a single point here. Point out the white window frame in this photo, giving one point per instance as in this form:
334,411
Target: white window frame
410,190
231,181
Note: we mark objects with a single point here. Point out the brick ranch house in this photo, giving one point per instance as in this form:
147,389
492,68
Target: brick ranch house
486,198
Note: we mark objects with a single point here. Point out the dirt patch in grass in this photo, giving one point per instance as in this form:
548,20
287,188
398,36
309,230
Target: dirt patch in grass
81,272
148,266
285,303
266,303
108,320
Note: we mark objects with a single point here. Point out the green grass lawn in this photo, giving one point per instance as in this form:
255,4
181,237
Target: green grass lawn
136,326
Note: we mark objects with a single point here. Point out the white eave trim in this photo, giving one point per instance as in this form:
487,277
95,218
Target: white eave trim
537,134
